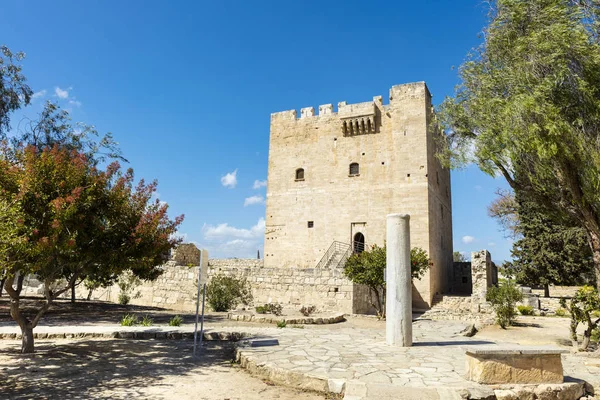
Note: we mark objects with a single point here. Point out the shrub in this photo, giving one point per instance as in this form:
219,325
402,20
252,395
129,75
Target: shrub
225,292
129,320
124,299
367,268
175,321
281,324
127,283
525,310
262,309
275,309
503,299
306,311
581,306
560,312
147,321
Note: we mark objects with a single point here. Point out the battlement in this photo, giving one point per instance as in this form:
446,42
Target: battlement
356,110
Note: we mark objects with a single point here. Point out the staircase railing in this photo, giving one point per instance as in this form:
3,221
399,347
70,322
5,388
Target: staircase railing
344,250
335,248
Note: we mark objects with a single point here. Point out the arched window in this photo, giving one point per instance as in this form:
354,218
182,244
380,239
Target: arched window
300,174
354,169
359,243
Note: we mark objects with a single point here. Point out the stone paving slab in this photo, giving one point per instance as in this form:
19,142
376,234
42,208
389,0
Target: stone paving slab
358,362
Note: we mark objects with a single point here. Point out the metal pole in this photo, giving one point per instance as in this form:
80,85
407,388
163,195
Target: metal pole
198,304
202,320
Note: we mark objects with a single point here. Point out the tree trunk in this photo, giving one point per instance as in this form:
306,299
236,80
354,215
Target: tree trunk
595,245
73,293
2,285
546,290
27,340
89,296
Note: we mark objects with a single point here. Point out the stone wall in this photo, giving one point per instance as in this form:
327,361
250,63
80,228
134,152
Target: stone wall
327,289
460,281
175,289
558,291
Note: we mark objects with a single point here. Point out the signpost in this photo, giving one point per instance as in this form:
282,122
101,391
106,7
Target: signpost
198,306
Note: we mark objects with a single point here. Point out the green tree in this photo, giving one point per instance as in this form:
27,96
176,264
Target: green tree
550,252
14,91
368,268
77,221
528,106
457,256
582,306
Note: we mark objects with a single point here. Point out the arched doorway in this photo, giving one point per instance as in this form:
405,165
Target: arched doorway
358,244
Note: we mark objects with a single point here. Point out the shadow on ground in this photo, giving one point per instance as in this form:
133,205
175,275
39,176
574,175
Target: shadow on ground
63,312
101,369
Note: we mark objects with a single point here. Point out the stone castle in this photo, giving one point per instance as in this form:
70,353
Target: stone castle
334,176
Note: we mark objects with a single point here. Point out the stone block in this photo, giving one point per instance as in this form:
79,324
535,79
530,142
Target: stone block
513,367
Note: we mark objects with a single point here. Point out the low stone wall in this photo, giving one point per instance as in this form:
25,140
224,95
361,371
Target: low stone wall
558,291
327,289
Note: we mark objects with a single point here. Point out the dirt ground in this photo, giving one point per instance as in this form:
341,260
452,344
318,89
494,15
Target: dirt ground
530,330
122,369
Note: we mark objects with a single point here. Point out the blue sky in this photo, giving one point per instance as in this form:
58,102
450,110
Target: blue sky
187,88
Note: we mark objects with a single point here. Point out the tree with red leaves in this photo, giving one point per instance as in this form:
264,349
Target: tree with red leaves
75,220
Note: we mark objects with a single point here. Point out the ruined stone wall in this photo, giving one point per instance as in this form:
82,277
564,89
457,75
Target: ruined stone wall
397,173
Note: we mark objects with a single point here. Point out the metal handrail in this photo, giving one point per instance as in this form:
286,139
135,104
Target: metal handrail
337,248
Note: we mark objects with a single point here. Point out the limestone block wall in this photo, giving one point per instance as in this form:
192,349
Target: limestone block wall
327,289
559,291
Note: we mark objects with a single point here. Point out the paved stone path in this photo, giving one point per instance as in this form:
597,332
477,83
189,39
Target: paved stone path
356,358
359,358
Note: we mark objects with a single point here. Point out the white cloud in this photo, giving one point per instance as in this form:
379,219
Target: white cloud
491,244
39,94
227,231
258,184
230,179
223,240
254,200
468,239
61,93
75,103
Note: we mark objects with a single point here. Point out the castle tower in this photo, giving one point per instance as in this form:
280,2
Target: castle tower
333,177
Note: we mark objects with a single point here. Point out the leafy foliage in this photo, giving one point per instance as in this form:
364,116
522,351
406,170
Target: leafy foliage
582,307
224,292
129,320
176,321
528,106
503,299
14,91
525,310
367,268
273,308
281,324
550,250
127,283
457,256
146,320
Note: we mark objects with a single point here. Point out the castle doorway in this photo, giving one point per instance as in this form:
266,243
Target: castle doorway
358,244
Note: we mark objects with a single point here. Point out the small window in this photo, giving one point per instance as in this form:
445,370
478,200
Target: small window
311,224
354,169
300,174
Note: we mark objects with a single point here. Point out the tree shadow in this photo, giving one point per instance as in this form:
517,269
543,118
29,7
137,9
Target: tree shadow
103,369
63,312
526,324
453,343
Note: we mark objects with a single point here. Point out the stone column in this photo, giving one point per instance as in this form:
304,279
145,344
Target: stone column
398,308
